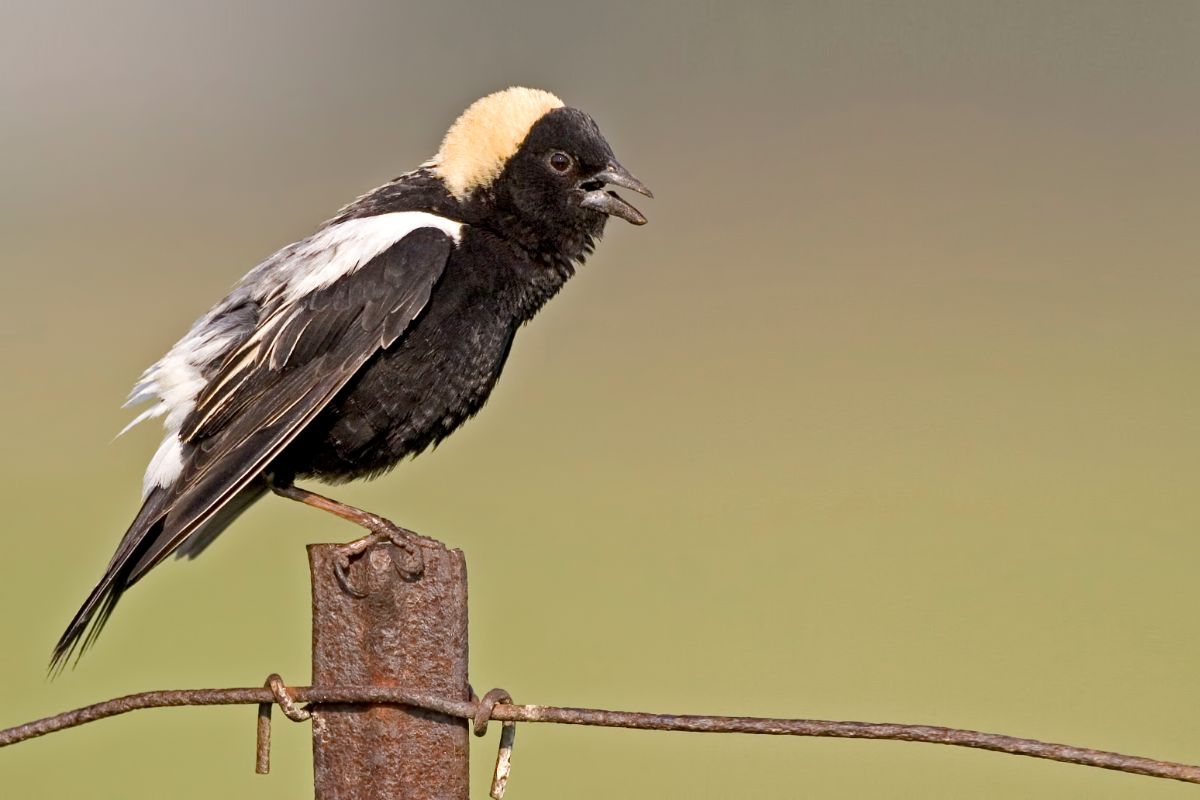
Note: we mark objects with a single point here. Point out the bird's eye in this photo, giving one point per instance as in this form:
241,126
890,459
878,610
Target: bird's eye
560,161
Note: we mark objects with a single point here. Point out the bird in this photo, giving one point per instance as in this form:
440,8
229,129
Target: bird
370,340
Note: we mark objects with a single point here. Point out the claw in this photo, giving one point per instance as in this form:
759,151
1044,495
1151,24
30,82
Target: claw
341,571
410,566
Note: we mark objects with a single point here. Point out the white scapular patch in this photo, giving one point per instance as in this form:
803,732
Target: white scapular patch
285,278
339,250
485,137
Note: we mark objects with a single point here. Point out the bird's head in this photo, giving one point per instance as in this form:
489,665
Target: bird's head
537,159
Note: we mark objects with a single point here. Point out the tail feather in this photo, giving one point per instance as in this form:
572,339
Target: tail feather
96,609
94,613
149,533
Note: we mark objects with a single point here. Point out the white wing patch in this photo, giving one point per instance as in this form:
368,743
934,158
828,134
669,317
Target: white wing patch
285,278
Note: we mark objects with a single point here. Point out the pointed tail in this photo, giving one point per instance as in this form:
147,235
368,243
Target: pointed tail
147,536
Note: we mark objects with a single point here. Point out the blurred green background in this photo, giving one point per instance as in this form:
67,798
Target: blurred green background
889,414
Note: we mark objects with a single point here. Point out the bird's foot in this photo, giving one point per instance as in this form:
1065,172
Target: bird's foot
409,561
410,565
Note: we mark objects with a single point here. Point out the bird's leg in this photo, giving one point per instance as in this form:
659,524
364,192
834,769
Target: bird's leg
381,530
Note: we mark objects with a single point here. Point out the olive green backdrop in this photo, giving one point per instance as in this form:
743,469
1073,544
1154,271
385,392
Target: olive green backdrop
890,413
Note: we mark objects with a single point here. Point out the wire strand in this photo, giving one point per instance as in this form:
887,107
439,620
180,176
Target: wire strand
503,712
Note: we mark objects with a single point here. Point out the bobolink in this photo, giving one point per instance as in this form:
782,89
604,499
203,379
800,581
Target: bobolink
370,340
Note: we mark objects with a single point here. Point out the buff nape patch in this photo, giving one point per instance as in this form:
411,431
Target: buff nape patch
486,135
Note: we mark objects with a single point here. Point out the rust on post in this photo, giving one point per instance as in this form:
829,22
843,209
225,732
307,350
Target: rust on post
408,632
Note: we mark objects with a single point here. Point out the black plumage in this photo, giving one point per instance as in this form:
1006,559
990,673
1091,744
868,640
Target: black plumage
376,337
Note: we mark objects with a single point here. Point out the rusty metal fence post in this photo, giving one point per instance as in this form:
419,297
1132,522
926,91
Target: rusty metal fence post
406,632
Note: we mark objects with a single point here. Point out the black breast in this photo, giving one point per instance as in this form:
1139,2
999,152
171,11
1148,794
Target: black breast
436,376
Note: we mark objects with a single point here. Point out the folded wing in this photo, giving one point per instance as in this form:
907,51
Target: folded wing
266,390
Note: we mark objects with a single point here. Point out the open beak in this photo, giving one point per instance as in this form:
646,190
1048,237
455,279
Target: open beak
609,202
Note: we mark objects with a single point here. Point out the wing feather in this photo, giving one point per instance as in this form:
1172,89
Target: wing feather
265,391
268,402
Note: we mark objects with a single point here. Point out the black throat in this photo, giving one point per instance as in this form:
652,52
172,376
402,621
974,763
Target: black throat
557,248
